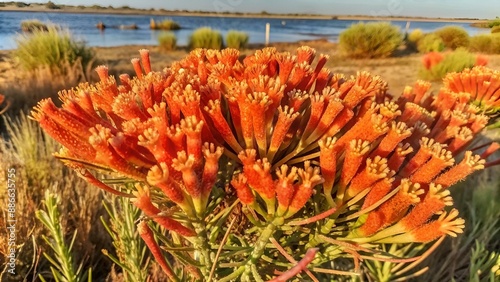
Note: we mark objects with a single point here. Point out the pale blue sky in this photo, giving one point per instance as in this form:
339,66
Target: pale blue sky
429,8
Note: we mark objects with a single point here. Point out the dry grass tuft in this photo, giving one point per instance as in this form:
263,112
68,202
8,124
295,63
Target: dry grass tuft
27,149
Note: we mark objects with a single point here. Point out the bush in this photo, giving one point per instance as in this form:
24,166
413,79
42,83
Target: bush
430,43
52,6
493,23
495,29
485,43
167,41
51,49
164,25
370,40
205,37
415,36
236,39
32,25
454,37
455,61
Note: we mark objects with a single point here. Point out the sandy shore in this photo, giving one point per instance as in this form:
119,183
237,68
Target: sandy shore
156,12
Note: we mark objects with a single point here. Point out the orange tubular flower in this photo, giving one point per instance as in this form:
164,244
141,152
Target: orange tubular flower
399,156
355,153
258,174
393,209
328,163
240,184
143,202
148,237
285,187
435,200
441,159
375,170
398,132
446,224
379,190
468,165
309,177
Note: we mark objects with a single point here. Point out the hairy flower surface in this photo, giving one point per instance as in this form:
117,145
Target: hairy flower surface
324,160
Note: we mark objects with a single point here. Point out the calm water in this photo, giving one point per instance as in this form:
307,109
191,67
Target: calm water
83,27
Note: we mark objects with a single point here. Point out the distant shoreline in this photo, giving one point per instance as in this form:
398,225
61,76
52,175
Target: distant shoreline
38,8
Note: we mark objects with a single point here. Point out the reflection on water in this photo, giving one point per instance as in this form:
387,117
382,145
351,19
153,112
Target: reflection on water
83,26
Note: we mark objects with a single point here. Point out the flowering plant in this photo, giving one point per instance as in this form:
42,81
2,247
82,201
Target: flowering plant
248,166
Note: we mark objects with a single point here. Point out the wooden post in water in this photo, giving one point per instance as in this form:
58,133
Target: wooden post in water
268,31
407,28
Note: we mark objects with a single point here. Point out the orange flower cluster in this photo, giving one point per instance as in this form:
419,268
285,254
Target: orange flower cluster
129,129
481,83
295,127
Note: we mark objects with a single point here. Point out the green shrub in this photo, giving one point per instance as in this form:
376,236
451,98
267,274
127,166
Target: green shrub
480,43
236,39
52,6
51,49
454,37
485,43
430,43
164,25
415,35
495,29
205,37
455,61
413,38
32,25
370,40
493,23
167,41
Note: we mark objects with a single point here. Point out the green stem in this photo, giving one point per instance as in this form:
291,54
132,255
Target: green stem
259,249
201,245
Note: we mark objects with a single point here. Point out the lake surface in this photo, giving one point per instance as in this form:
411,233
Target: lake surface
83,27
